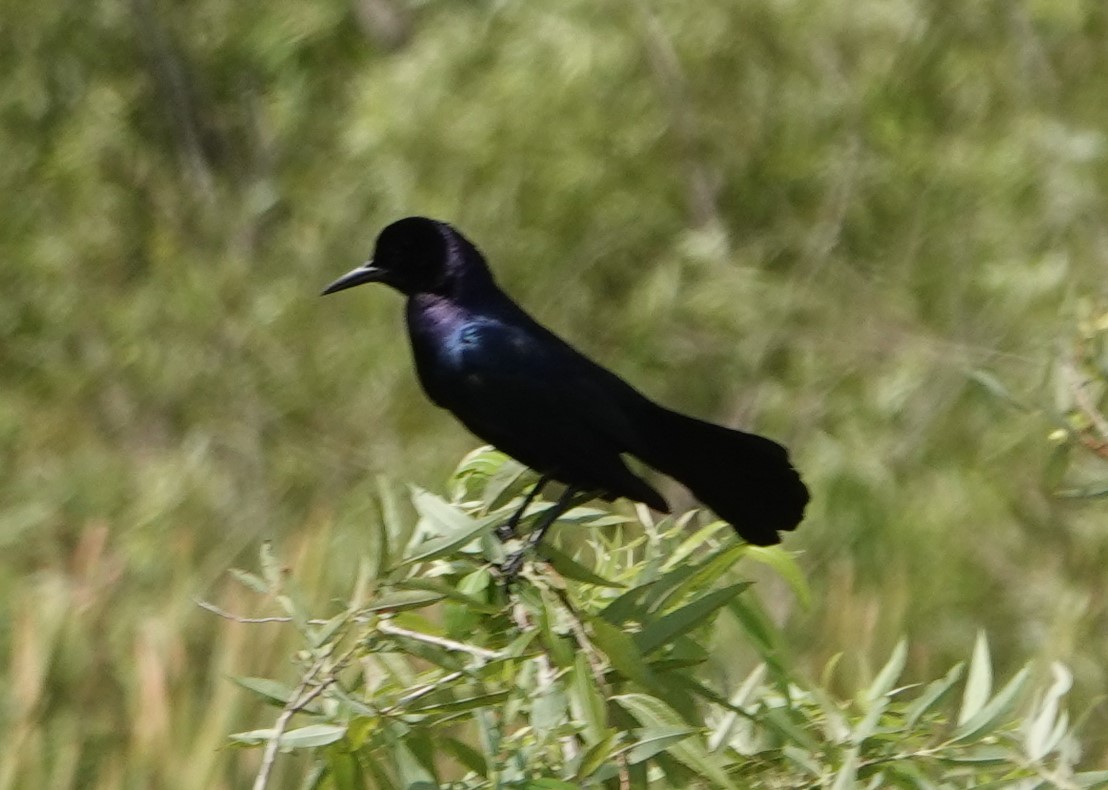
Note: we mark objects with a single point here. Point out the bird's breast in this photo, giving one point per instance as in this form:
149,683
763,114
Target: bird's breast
444,339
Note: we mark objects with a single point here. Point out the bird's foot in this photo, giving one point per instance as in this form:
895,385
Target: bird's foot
513,565
507,530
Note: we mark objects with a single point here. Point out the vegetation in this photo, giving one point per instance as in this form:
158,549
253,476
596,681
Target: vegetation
603,666
871,230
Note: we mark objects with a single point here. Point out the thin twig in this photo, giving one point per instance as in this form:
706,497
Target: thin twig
300,700
592,657
211,607
385,627
423,691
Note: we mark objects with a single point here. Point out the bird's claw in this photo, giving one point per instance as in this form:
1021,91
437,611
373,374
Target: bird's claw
511,567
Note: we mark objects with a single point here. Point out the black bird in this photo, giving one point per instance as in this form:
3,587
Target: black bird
518,386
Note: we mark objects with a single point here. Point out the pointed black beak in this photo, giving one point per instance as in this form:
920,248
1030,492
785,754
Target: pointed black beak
366,273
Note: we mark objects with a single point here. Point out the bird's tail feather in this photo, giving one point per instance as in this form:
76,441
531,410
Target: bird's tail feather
745,478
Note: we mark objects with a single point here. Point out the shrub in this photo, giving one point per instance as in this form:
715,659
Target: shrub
611,662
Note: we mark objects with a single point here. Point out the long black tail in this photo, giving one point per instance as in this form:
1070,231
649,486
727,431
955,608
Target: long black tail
745,478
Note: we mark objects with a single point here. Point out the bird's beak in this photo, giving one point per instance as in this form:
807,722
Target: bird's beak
366,273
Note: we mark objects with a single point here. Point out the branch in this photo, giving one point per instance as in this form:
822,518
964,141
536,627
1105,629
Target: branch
303,697
385,627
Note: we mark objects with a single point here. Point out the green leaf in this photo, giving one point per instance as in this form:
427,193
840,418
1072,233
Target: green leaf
270,690
996,388
597,754
783,563
468,703
690,752
992,713
548,710
649,741
1040,735
980,682
272,569
889,674
250,581
681,621
571,569
588,702
302,738
467,756
313,735
405,599
445,590
847,774
722,732
704,575
693,542
621,651
344,770
934,692
457,529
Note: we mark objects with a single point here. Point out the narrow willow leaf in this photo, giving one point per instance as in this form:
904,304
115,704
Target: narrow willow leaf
587,698
445,590
979,683
1039,732
889,674
994,711
270,690
502,482
721,734
694,542
253,737
704,575
312,735
802,759
868,724
783,563
468,703
680,621
549,708
690,752
572,569
650,741
778,719
996,388
932,695
404,599
847,775
250,581
597,754
622,652
344,770
467,756
456,528
272,570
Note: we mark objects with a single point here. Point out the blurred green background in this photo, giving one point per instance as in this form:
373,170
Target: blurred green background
863,228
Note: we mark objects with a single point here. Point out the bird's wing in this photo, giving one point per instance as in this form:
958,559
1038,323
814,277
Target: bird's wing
539,400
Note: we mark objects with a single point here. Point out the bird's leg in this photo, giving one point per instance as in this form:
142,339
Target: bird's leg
507,530
570,498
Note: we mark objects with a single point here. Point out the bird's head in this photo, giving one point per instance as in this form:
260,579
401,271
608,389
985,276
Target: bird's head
413,255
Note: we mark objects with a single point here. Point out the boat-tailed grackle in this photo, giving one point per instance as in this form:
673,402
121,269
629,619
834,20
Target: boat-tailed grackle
518,386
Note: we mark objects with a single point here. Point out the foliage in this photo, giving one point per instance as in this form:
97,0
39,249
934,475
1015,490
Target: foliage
601,666
847,224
